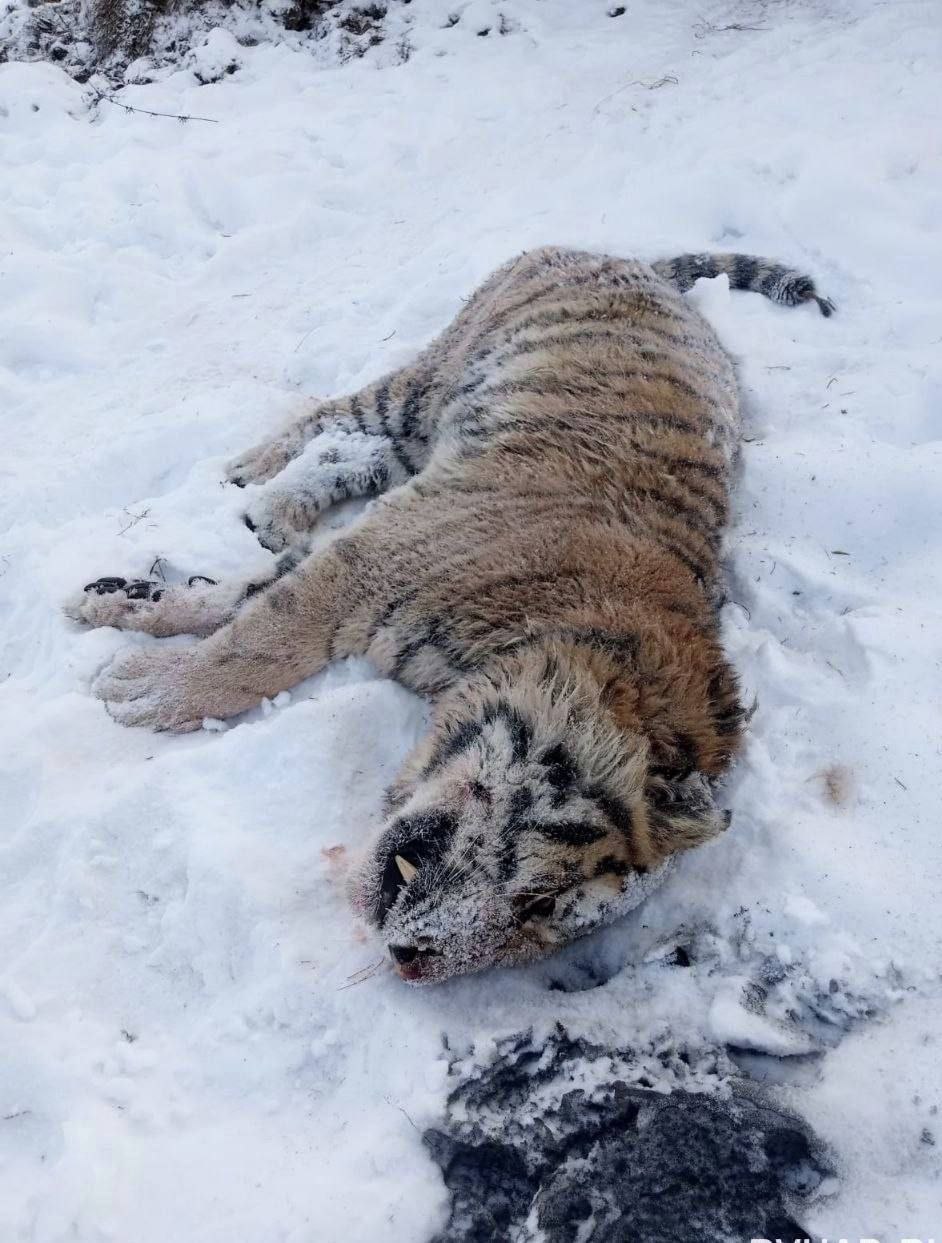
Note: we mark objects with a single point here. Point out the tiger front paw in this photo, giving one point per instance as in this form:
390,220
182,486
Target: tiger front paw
259,464
112,601
280,519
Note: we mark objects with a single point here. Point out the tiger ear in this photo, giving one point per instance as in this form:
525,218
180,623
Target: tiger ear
682,811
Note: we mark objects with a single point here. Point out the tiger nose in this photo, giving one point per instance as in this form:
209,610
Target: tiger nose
404,954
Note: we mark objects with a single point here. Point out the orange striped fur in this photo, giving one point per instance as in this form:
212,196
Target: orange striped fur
543,564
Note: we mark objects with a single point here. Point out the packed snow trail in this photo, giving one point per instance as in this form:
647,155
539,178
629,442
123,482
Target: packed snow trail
190,1050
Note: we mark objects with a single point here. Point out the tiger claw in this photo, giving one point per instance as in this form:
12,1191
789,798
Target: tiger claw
136,589
106,586
140,589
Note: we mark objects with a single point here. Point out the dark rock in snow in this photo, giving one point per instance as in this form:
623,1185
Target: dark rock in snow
558,1136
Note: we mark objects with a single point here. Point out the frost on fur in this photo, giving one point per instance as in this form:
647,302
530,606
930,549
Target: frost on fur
527,819
541,561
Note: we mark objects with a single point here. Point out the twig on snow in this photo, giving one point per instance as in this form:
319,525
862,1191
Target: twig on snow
304,338
148,112
739,604
402,1111
667,80
364,974
702,28
135,519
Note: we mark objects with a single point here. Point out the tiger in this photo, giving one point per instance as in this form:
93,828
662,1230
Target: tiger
541,560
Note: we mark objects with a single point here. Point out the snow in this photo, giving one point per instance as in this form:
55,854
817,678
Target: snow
199,1041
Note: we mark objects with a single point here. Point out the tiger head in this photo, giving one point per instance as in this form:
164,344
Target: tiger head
527,819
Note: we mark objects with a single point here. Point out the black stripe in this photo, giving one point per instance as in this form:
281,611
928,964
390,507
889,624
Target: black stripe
680,511
673,465
670,500
562,770
682,385
488,589
623,644
287,562
378,477
520,803
426,829
689,612
359,418
569,832
423,840
381,409
702,565
550,666
400,455
542,386
391,608
682,760
618,812
745,271
457,394
719,504
617,308
708,368
729,721
518,728
554,320
616,424
433,638
686,269
658,421
381,404
470,422
381,400
772,277
411,406
556,289
697,568
674,462
690,268
460,739
584,336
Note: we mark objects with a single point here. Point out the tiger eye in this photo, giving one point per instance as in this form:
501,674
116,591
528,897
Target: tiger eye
537,908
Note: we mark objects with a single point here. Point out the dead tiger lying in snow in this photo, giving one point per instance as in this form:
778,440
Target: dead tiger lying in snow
554,472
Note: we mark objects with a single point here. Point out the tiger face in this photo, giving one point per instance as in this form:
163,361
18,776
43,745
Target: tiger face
517,833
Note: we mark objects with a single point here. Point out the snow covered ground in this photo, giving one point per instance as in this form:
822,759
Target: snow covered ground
188,1052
